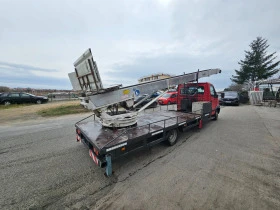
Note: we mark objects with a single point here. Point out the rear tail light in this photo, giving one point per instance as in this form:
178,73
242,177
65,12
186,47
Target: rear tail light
78,131
95,151
78,136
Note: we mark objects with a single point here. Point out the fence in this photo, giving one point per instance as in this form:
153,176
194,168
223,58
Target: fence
62,96
256,97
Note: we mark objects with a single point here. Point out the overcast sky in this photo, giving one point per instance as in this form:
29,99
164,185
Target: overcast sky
40,40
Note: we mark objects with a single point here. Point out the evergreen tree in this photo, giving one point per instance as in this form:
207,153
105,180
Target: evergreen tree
257,64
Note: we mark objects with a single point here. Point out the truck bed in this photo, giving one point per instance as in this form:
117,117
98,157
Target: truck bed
147,124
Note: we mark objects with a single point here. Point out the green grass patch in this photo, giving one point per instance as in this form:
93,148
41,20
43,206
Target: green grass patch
62,110
13,106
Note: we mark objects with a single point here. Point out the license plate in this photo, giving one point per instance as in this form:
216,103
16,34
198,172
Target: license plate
228,102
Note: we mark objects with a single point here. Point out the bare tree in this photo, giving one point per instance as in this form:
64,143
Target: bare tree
4,89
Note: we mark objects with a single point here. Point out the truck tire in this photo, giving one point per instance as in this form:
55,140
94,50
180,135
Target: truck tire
172,137
216,115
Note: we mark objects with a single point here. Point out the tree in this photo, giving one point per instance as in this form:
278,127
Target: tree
4,89
28,90
257,64
234,87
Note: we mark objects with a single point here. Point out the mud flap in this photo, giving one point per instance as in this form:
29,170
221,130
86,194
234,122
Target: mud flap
108,165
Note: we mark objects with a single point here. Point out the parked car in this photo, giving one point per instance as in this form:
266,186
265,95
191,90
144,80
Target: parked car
20,98
268,94
220,98
147,100
168,98
243,97
230,98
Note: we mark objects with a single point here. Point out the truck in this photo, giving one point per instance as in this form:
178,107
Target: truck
119,132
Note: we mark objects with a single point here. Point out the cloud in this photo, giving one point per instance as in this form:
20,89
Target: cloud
131,39
20,67
36,82
170,64
21,75
22,70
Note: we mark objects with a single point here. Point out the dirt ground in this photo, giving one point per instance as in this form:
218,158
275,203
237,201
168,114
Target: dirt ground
20,114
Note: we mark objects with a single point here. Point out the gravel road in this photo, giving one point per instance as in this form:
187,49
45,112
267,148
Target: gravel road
232,163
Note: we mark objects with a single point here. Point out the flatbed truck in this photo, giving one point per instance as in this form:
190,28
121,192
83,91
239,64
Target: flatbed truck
196,104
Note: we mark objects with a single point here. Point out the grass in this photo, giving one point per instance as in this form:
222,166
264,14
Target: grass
13,106
62,110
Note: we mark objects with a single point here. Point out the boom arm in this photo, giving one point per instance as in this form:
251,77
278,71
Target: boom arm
86,77
100,100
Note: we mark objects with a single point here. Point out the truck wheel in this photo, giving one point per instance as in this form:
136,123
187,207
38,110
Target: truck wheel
39,101
172,137
216,115
169,103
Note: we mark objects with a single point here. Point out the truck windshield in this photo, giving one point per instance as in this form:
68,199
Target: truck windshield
191,90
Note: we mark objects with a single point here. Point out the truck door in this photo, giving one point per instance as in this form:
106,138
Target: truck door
214,98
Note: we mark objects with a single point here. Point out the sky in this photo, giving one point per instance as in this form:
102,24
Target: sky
40,40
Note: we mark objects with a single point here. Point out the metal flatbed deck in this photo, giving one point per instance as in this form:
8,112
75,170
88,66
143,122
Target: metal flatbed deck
148,124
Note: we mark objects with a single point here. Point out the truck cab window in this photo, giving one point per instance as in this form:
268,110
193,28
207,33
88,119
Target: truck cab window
212,90
191,90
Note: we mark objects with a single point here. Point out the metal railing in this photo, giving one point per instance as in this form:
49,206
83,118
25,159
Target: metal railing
130,130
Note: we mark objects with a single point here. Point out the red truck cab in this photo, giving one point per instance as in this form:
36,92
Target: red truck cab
194,92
